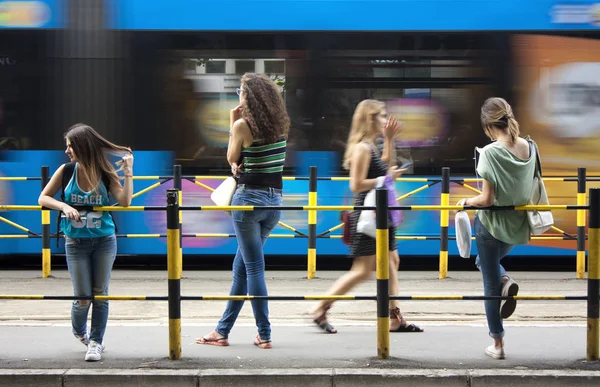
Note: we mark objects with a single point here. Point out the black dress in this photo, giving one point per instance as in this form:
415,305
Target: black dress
364,245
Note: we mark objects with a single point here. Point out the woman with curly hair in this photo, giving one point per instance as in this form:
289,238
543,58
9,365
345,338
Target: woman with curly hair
256,153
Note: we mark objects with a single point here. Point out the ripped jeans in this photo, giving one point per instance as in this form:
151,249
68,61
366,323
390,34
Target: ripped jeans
90,261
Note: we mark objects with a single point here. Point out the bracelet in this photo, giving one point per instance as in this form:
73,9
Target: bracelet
128,176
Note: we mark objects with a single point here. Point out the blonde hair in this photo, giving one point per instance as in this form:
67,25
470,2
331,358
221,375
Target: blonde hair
363,125
497,113
90,149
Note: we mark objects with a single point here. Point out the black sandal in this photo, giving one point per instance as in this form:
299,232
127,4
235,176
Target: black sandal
411,328
404,326
322,322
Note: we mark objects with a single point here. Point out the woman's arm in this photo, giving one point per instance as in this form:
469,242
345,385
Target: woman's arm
240,137
236,141
390,131
484,199
46,198
123,194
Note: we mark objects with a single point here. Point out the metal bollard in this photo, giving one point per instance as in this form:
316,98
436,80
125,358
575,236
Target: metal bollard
312,224
174,274
383,274
46,255
581,172
444,201
593,303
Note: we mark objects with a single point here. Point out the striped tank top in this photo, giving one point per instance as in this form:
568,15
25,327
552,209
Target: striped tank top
263,164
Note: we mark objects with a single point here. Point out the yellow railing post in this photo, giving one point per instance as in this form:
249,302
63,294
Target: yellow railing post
174,268
383,274
444,201
178,185
581,177
593,302
312,224
46,256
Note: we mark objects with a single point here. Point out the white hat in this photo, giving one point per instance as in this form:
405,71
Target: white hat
462,224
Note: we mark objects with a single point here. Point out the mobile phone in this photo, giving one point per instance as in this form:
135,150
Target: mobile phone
406,165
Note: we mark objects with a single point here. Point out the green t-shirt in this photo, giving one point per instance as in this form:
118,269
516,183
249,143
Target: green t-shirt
512,179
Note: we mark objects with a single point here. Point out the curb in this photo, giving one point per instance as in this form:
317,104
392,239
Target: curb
325,377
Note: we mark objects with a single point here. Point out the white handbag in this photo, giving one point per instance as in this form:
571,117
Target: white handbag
539,221
223,194
366,221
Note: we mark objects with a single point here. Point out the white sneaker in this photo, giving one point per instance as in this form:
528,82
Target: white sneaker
507,307
495,353
85,339
94,352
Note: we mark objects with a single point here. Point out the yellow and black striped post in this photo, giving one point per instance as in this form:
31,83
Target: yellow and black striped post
174,265
178,185
444,201
581,172
46,256
593,306
312,224
383,274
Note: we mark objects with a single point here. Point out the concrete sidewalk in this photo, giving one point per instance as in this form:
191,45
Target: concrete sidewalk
545,340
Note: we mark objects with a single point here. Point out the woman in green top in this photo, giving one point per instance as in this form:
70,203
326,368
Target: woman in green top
507,166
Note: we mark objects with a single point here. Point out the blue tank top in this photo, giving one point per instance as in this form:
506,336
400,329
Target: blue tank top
93,224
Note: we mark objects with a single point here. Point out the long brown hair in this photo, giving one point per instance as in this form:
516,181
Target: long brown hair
496,112
89,148
264,109
363,125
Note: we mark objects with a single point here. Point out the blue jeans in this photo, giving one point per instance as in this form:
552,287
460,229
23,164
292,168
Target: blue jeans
90,261
491,251
252,228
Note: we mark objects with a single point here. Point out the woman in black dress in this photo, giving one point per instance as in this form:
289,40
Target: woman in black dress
366,165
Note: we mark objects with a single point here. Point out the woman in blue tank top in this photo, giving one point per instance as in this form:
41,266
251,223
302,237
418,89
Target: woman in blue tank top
256,153
91,244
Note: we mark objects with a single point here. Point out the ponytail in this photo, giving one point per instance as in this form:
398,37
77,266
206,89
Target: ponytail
513,129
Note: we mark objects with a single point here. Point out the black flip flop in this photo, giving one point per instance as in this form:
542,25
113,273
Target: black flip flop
410,328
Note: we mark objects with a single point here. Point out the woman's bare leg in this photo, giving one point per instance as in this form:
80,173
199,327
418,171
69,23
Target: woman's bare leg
394,287
361,270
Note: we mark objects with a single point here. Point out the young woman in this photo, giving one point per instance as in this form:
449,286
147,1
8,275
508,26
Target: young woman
256,153
362,158
507,166
91,245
